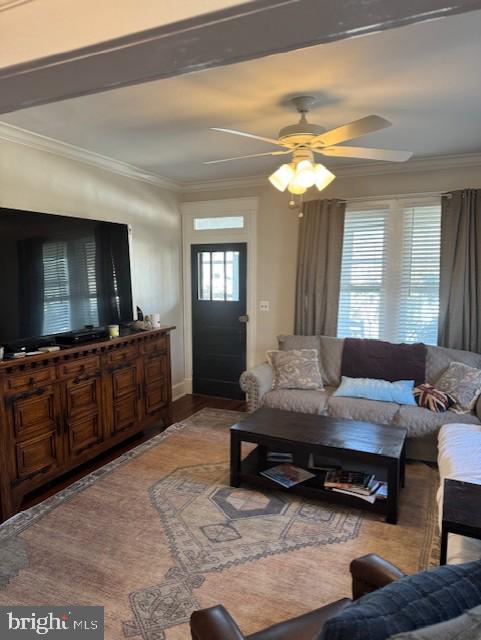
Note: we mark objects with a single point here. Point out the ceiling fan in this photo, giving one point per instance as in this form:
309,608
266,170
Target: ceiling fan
305,139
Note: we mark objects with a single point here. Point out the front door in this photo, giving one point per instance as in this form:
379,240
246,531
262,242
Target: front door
219,273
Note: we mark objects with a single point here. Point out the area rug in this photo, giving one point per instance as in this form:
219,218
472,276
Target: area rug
159,532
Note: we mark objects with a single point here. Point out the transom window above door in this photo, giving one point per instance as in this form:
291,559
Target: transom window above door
390,271
218,222
218,276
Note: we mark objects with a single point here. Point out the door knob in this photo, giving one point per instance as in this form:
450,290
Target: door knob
244,319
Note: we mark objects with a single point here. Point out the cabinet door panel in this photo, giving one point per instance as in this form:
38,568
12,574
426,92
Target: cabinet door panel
125,381
37,455
84,433
156,397
34,412
83,423
126,413
83,397
155,369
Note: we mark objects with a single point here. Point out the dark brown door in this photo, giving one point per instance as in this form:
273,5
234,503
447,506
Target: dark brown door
83,414
219,318
37,433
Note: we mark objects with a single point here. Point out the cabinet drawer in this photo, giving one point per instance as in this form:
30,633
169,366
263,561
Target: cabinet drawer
158,345
83,366
123,355
32,378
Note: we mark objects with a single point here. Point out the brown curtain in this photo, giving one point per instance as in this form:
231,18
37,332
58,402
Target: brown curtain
460,275
319,267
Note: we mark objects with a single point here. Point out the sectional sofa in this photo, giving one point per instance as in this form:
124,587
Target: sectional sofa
422,424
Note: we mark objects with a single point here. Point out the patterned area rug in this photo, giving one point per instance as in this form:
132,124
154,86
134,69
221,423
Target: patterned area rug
159,532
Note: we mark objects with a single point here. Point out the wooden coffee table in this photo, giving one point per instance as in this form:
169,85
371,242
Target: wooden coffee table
377,448
461,512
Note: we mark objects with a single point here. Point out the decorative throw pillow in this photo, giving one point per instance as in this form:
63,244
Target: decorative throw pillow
464,627
410,603
400,391
463,384
431,398
295,369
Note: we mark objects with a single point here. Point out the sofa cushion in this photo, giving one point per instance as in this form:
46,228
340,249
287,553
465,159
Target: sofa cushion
301,400
359,409
295,369
331,358
410,603
420,421
429,397
463,383
438,360
464,627
288,343
400,391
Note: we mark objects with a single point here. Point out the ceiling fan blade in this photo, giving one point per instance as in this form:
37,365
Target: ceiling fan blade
249,135
366,153
253,155
355,129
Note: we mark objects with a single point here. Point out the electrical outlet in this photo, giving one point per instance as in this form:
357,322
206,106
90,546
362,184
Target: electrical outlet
264,305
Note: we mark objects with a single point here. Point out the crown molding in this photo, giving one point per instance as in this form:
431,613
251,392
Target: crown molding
221,184
424,163
37,141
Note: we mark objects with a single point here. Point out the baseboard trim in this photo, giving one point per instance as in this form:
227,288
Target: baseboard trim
178,390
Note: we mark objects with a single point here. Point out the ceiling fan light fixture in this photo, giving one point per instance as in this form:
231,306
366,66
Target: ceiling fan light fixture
323,177
296,189
281,178
305,175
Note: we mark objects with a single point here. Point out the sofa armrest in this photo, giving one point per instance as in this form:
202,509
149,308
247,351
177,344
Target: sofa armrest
214,624
256,382
370,573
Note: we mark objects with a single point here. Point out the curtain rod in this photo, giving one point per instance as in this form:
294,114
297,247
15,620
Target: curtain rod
397,196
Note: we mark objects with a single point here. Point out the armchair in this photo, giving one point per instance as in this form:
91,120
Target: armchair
368,574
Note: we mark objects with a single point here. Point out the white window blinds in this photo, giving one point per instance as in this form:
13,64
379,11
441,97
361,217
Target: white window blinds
390,272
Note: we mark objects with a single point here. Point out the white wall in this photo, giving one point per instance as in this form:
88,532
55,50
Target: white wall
278,233
40,181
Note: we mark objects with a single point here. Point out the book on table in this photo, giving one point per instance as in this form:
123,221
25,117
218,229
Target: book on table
287,475
279,456
357,482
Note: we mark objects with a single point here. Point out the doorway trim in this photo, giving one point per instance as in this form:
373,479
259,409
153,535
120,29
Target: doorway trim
246,207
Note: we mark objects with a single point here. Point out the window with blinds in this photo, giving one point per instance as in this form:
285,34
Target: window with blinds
390,272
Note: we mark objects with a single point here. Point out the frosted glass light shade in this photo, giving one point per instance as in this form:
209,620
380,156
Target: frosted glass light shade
323,177
281,178
305,174
296,189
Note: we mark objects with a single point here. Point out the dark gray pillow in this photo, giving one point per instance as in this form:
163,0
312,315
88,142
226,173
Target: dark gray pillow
465,627
410,603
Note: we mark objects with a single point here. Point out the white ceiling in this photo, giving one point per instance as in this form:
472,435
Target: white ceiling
425,78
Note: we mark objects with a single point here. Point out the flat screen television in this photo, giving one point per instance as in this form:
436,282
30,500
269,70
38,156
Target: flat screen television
61,274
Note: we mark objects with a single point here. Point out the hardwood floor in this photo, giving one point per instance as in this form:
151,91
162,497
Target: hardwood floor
181,409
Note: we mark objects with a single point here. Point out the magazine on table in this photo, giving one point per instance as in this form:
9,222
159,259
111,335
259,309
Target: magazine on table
287,475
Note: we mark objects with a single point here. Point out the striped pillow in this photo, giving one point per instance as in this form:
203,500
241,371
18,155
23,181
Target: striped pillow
430,398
